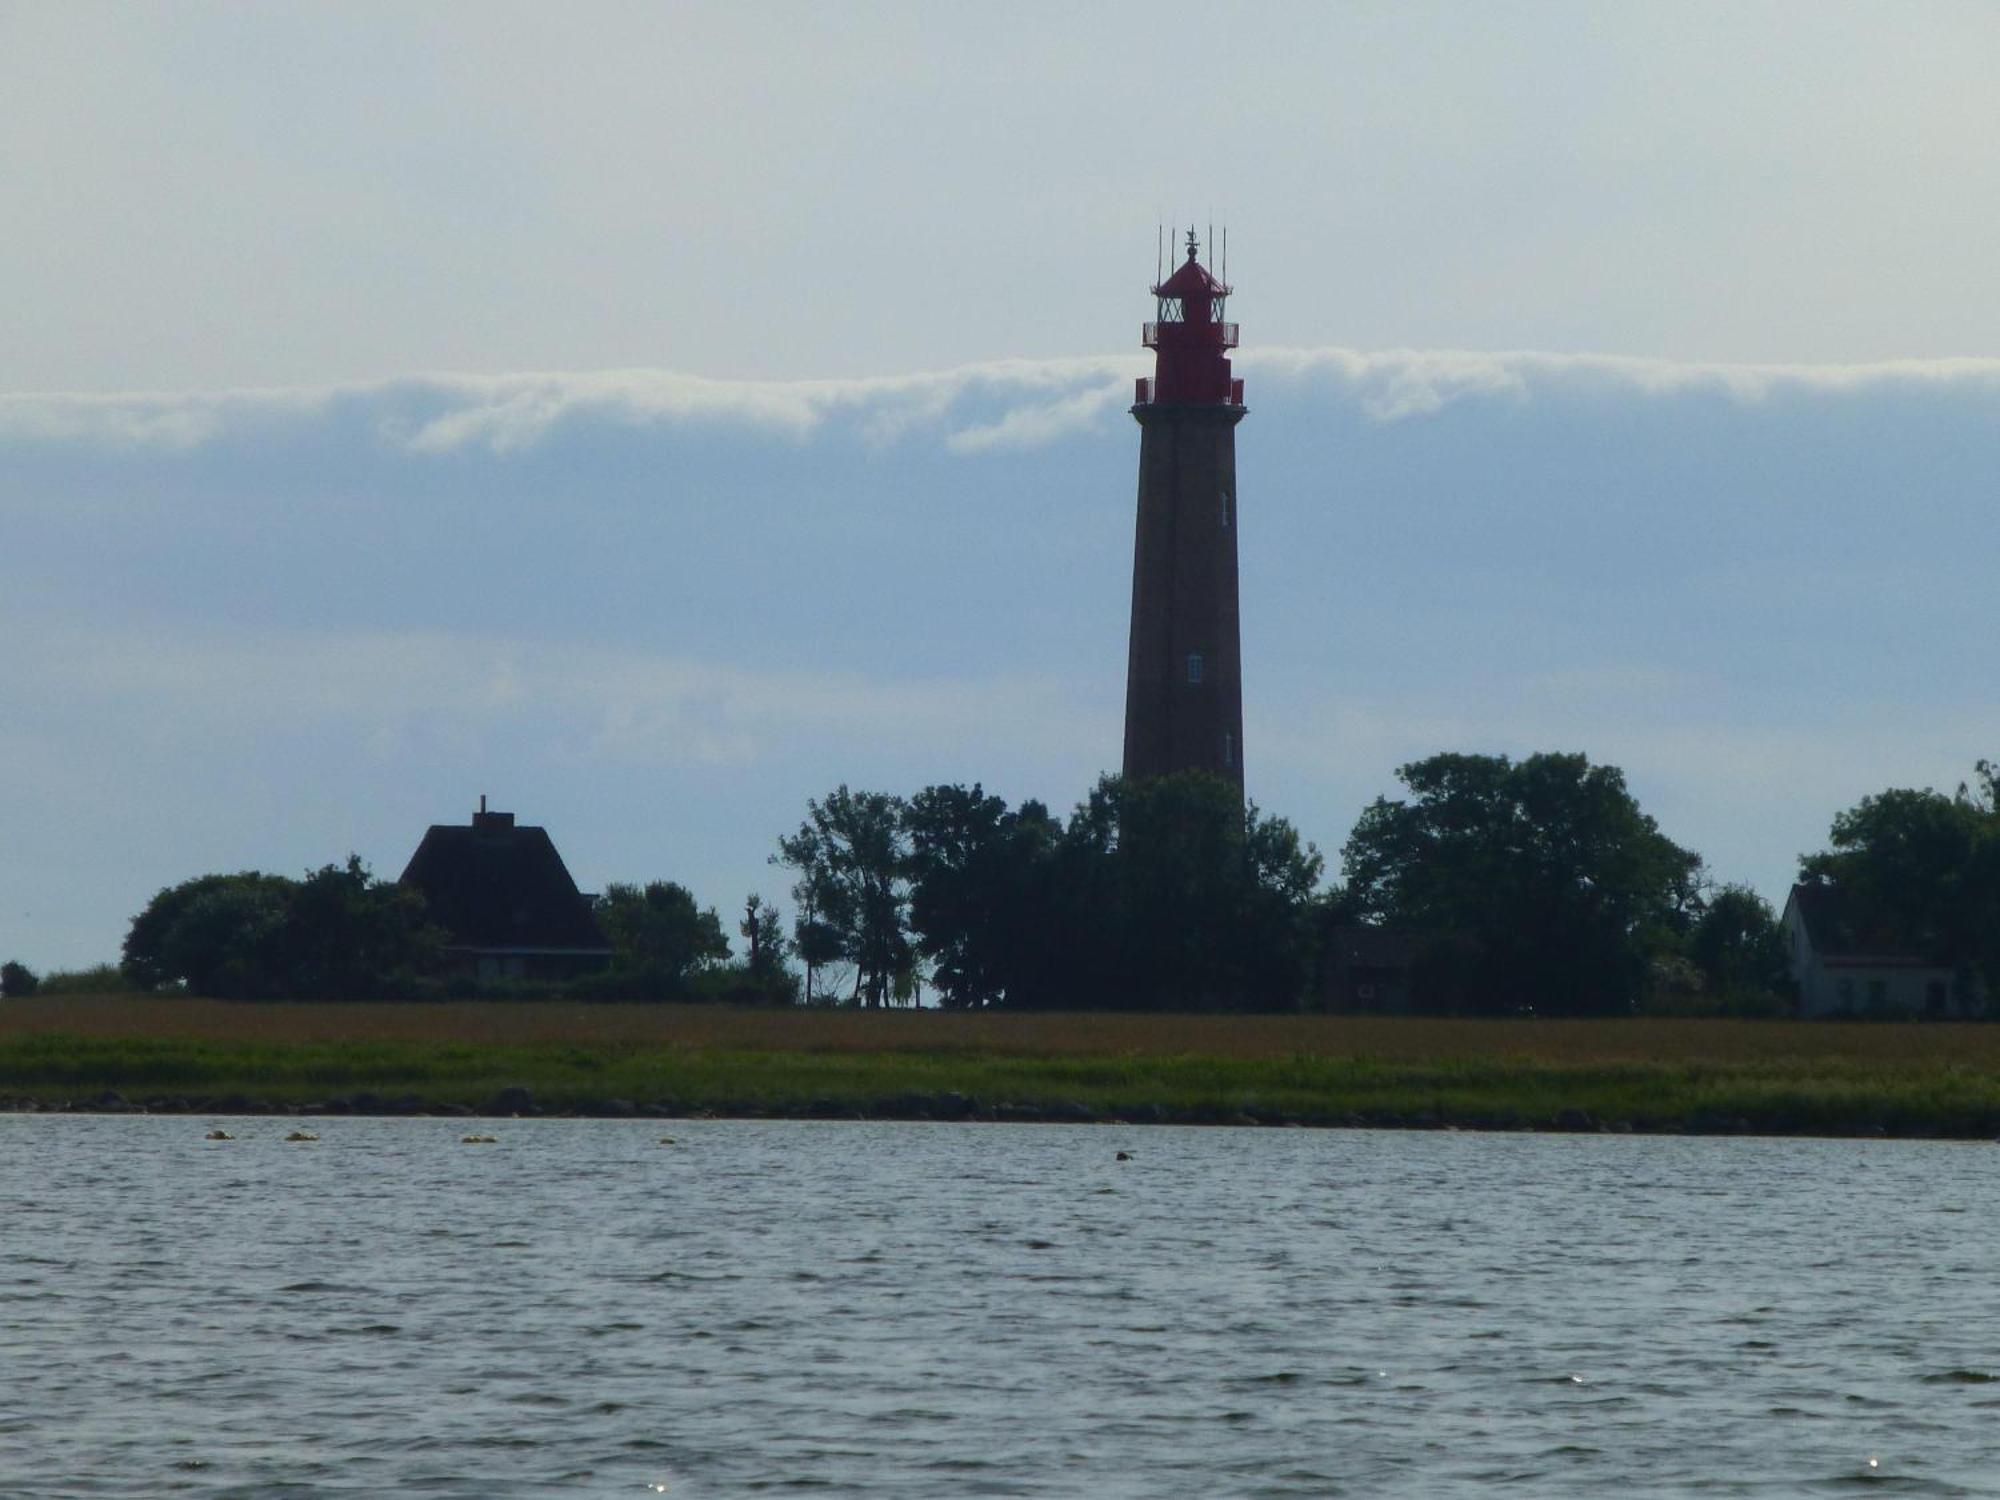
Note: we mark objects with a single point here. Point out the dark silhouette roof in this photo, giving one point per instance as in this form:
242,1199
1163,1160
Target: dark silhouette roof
1840,929
494,884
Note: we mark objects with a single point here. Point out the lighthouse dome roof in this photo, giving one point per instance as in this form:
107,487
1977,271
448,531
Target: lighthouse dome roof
1190,282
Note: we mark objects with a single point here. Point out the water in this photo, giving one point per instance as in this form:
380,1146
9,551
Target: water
942,1310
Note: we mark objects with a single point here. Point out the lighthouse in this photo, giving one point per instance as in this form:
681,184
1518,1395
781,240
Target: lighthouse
1184,672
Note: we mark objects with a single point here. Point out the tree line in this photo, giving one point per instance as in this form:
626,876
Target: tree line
339,933
1531,885
1159,894
1537,885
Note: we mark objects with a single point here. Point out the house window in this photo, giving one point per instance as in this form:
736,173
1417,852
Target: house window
1844,992
1934,997
1878,992
1194,666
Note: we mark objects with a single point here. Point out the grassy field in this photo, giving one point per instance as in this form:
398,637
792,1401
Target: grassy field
1646,1074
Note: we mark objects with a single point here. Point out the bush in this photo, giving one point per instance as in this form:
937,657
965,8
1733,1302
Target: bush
637,984
17,980
99,979
1749,1003
738,984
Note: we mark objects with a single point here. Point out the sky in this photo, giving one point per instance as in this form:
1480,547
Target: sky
654,416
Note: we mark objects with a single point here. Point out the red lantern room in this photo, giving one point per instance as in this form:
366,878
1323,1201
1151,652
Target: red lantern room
1190,340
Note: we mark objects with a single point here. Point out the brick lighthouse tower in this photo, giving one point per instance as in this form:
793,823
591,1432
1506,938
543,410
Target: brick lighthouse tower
1184,677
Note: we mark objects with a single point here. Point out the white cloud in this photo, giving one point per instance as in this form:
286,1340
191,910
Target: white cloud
1036,401
1033,426
1391,385
971,409
1399,383
507,413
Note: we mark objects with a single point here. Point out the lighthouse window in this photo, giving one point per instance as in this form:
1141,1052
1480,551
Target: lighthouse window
1226,508
1228,748
1194,666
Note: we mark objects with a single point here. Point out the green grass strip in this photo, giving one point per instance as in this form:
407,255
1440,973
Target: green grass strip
1786,1095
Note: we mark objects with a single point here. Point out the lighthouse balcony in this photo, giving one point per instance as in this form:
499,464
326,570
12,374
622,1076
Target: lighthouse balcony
1146,392
1183,335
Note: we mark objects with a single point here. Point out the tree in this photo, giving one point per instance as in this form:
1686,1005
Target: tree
852,890
1167,893
659,935
1209,903
1739,949
348,935
817,940
1920,870
17,981
1533,884
1278,925
980,891
763,929
212,935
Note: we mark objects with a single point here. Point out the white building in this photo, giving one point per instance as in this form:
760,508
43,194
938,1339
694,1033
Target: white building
1839,972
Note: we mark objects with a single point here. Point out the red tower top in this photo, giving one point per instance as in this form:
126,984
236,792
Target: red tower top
1191,365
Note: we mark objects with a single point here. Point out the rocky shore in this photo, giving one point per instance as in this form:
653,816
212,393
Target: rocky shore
520,1103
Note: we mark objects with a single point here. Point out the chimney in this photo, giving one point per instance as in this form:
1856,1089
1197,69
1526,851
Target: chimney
491,820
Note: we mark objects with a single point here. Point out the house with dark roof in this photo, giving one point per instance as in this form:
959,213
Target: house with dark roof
1845,962
505,900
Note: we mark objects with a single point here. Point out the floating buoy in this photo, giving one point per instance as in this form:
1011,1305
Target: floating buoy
301,1135
220,1135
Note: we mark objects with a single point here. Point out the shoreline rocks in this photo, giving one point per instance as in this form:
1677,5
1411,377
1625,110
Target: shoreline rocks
950,1107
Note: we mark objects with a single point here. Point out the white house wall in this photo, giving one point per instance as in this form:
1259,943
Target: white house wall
1835,986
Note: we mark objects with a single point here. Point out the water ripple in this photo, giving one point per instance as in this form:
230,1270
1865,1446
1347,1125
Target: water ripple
923,1310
